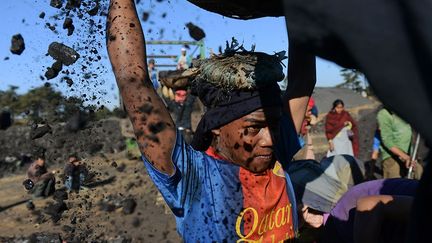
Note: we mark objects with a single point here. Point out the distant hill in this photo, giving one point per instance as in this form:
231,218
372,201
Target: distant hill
324,97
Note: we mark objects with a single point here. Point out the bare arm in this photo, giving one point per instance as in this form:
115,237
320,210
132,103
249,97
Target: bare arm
153,126
301,82
373,211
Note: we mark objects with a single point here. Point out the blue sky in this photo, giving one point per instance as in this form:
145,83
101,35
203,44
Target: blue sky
21,16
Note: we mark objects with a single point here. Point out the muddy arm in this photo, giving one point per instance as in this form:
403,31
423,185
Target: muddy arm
301,82
153,126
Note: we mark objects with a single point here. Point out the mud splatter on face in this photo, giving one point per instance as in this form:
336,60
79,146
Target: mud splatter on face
248,147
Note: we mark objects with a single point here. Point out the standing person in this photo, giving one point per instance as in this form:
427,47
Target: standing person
75,173
181,111
153,73
341,131
40,182
371,164
227,186
307,151
183,61
396,138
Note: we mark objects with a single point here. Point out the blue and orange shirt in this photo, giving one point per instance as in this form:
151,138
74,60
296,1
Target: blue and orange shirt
216,200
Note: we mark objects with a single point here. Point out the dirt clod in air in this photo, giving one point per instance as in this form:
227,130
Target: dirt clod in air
56,3
63,53
18,45
195,32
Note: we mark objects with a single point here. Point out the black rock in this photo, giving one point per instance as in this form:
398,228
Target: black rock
136,222
56,3
69,81
63,53
108,207
39,132
68,24
18,45
30,205
129,206
5,120
50,73
44,237
54,70
42,15
56,209
121,167
60,195
145,16
57,66
94,148
195,32
71,4
94,10
68,229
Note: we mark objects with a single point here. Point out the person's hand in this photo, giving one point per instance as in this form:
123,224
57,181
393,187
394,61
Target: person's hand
406,159
331,145
375,154
410,163
347,123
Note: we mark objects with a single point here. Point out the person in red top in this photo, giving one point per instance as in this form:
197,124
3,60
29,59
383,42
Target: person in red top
341,131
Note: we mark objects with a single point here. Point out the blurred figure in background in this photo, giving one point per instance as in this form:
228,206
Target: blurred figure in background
183,61
153,73
181,110
311,118
341,131
75,173
40,182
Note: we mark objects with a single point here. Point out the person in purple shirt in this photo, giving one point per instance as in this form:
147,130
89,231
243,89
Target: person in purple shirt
373,211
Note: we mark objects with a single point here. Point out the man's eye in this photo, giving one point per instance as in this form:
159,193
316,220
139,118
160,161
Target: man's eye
253,129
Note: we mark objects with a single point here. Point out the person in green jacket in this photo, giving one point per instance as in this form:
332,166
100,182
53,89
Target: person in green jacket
396,137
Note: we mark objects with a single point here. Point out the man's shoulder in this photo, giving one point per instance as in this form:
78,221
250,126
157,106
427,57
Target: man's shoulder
383,114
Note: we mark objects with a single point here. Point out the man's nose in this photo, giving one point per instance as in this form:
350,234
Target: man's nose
266,138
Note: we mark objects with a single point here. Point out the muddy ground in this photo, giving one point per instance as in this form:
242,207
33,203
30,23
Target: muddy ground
121,203
99,213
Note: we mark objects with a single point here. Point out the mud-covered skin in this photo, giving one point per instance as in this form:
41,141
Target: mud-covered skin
152,123
248,141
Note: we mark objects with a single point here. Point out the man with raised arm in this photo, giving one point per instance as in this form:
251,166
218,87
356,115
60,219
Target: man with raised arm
230,185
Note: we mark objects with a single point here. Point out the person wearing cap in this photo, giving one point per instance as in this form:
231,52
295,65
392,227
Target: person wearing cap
40,182
183,61
226,186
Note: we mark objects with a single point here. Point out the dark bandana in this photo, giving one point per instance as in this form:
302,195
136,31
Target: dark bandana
224,107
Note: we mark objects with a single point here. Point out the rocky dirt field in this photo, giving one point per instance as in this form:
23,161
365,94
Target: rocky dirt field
122,205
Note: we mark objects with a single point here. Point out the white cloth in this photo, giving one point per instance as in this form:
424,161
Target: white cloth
342,144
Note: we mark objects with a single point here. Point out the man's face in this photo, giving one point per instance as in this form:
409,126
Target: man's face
248,140
74,160
180,96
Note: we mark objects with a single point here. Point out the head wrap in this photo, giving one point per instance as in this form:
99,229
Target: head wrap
233,86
